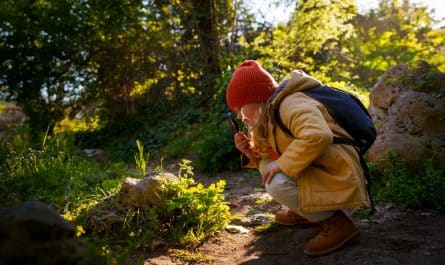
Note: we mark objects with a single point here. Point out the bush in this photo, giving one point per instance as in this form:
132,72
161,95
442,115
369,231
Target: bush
155,127
215,149
420,186
194,212
50,174
73,186
190,214
189,130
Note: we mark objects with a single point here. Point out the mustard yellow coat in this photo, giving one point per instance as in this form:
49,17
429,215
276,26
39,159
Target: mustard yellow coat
329,175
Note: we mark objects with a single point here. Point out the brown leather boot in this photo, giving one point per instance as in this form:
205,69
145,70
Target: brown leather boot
290,218
335,232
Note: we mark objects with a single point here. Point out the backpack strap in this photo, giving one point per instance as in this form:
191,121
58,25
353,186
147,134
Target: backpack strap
368,184
335,139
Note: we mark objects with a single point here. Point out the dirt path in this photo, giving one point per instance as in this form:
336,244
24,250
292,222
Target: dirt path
393,237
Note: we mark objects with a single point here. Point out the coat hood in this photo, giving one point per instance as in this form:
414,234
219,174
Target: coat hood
298,81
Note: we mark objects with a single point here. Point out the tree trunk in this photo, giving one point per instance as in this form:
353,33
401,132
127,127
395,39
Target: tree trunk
206,24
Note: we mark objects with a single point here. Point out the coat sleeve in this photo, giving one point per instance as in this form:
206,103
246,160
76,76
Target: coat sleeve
312,135
249,163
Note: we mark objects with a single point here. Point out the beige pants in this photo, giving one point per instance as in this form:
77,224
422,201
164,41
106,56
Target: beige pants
285,191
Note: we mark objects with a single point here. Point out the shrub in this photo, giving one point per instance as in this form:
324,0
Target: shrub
420,186
50,174
190,214
155,127
215,149
74,185
194,212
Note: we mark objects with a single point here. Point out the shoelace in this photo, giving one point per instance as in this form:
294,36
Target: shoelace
325,227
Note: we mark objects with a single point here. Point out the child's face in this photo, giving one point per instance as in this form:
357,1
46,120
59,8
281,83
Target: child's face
249,113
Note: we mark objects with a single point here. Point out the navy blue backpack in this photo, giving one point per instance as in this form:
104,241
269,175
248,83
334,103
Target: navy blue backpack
349,112
346,109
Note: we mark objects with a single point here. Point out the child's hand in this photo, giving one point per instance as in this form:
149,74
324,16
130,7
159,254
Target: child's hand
269,172
242,144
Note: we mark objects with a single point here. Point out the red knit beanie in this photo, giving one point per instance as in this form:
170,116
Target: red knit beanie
250,83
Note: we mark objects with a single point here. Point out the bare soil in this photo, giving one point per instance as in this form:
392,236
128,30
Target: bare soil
390,237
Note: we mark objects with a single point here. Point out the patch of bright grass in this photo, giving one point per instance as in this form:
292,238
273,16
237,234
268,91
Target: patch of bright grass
263,200
267,227
188,256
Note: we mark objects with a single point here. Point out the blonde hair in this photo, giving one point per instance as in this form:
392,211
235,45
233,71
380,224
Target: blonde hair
258,133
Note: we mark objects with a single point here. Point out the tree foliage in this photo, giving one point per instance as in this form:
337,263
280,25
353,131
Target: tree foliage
313,38
113,53
397,32
43,61
136,60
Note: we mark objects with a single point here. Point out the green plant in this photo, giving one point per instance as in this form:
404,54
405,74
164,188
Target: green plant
419,185
215,148
267,227
141,159
190,214
138,230
48,172
194,257
422,77
362,214
179,147
193,211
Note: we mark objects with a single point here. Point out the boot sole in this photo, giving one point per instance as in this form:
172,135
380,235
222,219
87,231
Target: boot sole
327,251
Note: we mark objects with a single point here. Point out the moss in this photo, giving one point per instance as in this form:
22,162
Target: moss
267,227
424,78
186,255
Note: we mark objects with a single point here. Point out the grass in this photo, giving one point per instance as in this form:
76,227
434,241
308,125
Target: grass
47,170
51,174
267,227
74,186
188,256
410,185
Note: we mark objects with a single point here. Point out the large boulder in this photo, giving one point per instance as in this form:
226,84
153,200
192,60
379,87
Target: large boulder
408,107
33,233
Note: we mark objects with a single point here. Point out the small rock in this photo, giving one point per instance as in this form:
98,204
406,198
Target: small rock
93,154
144,193
237,229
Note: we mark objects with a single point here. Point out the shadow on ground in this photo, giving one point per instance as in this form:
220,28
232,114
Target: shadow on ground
392,237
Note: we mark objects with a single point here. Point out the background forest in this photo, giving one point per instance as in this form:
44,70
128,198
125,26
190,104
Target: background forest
111,74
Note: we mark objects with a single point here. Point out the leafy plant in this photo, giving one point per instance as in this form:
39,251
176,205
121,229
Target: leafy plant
422,77
410,186
215,148
139,230
190,214
267,227
193,211
141,159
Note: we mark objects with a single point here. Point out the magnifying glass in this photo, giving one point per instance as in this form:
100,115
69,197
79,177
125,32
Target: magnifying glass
232,119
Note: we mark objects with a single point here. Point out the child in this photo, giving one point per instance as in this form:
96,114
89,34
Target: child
312,177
